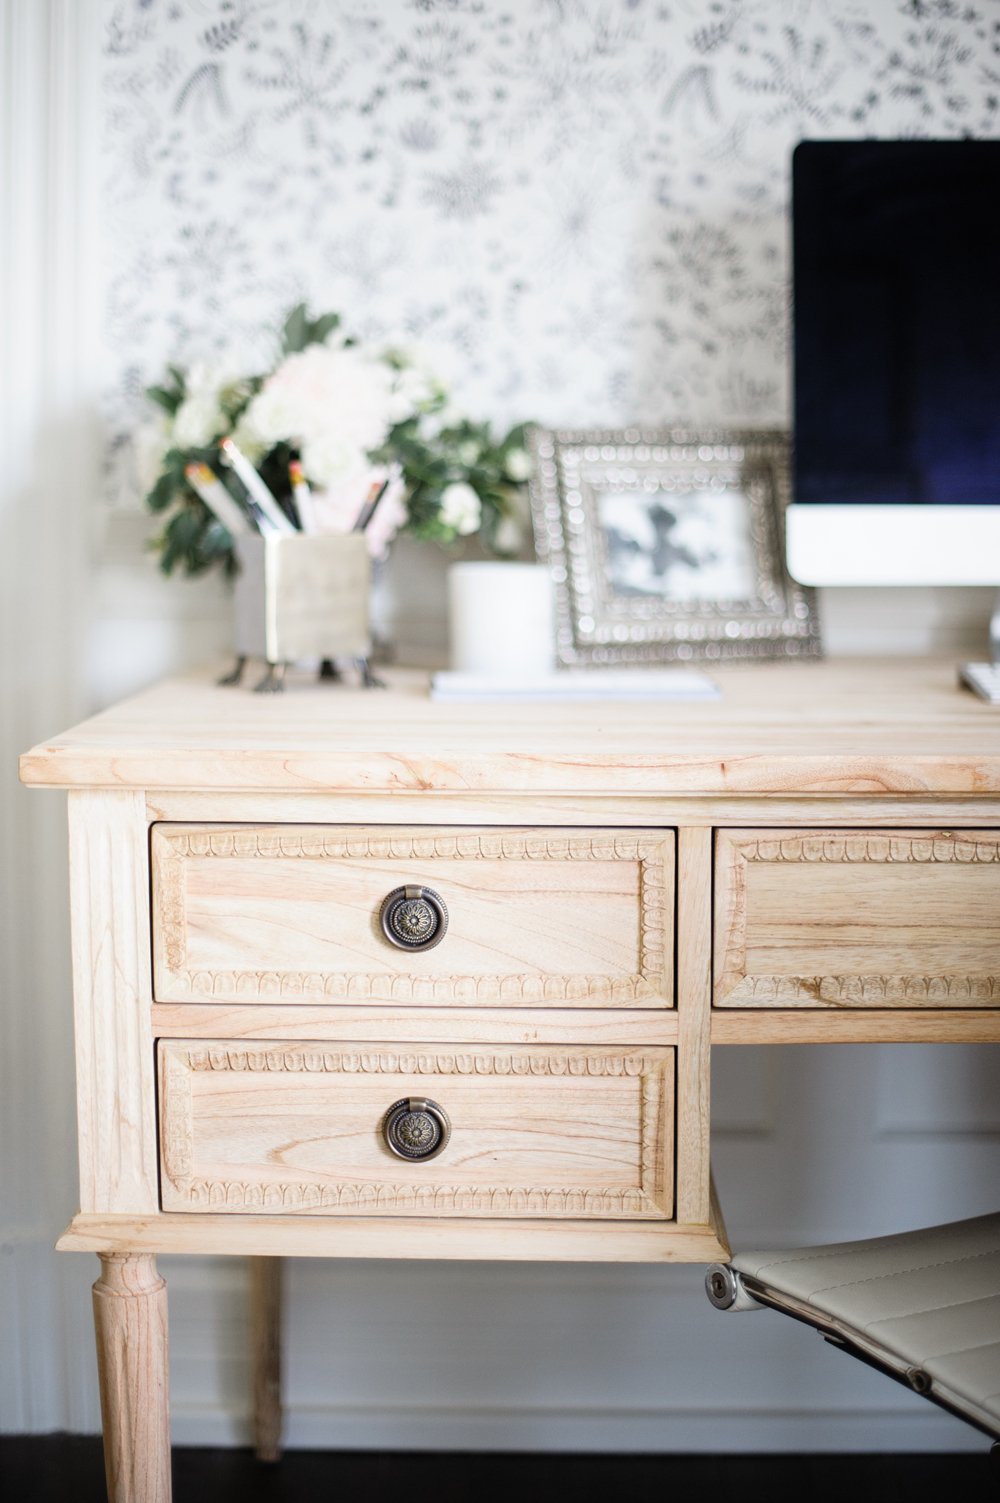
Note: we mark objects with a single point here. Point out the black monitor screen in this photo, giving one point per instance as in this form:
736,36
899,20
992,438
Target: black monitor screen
897,321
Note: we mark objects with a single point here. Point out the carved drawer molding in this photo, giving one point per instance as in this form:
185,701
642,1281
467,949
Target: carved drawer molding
289,914
859,918
579,1132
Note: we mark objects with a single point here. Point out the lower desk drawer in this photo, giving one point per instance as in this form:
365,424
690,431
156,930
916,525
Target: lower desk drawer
297,1129
857,918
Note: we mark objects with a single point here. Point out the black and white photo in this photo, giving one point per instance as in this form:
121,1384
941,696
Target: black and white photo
667,545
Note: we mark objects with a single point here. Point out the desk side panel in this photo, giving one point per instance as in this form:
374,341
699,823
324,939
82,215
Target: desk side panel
112,991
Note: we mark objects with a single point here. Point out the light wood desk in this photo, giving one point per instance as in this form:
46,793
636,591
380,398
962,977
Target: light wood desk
815,858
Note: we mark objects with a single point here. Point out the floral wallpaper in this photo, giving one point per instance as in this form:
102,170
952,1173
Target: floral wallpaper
576,207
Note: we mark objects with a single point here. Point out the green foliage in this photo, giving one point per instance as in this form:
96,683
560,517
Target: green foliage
169,397
299,331
466,452
193,540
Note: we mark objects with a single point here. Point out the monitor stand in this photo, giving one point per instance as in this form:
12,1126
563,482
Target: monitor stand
984,678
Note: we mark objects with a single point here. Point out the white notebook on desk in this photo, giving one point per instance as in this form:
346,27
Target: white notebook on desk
583,686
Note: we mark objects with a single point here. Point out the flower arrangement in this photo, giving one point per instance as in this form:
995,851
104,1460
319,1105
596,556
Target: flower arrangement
338,437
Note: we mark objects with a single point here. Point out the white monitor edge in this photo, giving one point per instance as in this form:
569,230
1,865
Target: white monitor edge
893,545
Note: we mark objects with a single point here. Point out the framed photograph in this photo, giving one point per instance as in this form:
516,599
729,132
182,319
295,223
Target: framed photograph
668,545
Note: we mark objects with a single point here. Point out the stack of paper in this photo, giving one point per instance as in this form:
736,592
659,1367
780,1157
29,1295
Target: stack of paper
576,685
983,679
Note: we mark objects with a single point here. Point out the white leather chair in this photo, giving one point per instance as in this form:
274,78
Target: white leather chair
922,1307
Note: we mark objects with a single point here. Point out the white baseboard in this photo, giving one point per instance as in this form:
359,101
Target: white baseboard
319,1427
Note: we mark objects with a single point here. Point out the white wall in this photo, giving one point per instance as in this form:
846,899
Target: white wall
136,222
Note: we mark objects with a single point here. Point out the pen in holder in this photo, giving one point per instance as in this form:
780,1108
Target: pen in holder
301,596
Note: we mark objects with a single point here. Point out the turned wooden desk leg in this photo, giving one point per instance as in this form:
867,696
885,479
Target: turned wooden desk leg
130,1319
265,1356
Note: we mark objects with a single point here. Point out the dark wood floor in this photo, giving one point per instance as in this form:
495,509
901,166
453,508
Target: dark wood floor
69,1469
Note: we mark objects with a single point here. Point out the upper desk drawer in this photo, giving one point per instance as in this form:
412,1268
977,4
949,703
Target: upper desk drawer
291,913
857,918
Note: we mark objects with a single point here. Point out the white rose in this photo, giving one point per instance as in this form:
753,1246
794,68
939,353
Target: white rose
197,421
518,465
330,459
460,508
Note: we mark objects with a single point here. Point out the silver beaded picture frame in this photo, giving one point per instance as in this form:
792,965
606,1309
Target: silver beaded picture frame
667,545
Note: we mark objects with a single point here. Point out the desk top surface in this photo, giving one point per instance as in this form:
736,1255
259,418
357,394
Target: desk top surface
862,725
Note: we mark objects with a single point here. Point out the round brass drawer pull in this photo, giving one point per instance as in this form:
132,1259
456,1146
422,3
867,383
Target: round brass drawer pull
416,1128
413,918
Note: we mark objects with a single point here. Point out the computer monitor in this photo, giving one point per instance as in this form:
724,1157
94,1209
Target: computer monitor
897,363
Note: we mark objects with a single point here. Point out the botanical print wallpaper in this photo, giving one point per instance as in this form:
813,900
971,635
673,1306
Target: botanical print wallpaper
577,207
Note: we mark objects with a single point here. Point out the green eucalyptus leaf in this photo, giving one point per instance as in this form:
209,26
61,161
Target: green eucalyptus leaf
322,326
188,525
163,492
296,330
217,539
168,400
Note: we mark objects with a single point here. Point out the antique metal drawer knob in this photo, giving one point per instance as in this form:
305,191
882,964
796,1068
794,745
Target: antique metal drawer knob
413,918
416,1128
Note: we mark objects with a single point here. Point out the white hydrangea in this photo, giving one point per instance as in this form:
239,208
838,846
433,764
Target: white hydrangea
333,403
518,465
200,417
273,415
210,377
460,508
416,388
197,421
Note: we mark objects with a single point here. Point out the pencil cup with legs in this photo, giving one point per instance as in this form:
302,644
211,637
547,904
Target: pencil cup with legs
302,597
